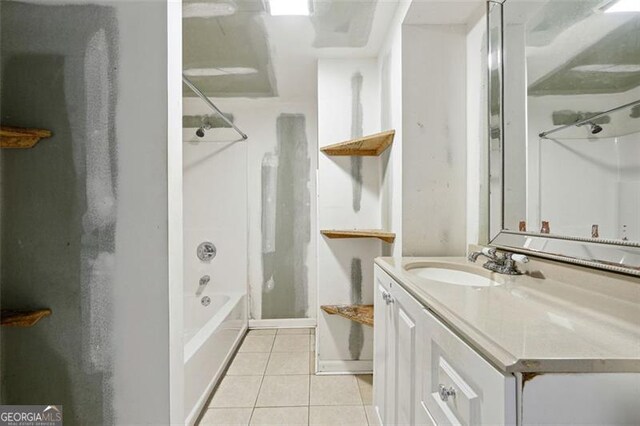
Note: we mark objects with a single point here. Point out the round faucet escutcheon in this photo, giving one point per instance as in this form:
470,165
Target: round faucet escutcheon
206,251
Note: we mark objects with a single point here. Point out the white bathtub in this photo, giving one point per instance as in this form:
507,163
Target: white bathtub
210,339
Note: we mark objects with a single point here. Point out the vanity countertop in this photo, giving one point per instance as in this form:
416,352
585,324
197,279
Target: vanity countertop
534,324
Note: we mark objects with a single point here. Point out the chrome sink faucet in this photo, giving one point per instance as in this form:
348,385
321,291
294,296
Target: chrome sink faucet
501,263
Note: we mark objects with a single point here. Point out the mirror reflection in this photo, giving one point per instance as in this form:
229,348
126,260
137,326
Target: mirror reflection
572,118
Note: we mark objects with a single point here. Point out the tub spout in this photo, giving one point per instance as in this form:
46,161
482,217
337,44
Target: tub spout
203,283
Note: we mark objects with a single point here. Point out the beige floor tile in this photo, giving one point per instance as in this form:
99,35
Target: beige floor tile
226,416
248,364
333,416
262,332
284,391
236,392
365,383
286,331
257,344
372,417
335,390
287,363
291,343
291,416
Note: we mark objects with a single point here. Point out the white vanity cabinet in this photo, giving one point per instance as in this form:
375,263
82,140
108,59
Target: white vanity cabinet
396,332
424,374
417,357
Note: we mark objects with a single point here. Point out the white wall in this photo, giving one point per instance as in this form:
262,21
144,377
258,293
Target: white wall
175,205
434,140
104,352
343,345
140,286
629,187
390,71
215,210
392,83
258,119
477,168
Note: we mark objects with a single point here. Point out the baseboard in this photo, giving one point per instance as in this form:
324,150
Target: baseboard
345,367
283,323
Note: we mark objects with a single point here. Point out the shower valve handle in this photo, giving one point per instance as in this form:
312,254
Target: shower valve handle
206,251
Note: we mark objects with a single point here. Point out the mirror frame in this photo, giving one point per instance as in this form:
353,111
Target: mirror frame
611,255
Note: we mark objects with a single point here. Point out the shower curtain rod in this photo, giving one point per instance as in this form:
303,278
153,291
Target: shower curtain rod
212,105
587,120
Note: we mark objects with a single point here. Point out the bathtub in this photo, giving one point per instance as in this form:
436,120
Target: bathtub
211,336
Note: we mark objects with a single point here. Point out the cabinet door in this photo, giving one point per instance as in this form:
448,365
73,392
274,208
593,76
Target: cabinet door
406,313
397,343
480,394
384,351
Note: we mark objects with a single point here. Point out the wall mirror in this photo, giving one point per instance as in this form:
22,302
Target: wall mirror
564,130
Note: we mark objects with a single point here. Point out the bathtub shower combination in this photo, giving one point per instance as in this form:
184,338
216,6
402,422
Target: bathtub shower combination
214,323
215,259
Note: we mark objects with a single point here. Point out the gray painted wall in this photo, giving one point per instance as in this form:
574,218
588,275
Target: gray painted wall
286,223
86,234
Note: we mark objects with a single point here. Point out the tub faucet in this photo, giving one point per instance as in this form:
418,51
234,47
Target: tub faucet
501,263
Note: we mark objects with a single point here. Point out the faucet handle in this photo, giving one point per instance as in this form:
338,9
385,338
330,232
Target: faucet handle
489,251
521,258
485,251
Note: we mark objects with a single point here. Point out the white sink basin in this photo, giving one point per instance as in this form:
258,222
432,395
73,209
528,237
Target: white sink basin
452,276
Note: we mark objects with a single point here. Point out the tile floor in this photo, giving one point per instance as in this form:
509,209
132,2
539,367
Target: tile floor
271,382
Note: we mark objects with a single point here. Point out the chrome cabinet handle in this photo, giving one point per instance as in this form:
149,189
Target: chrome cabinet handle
446,392
386,296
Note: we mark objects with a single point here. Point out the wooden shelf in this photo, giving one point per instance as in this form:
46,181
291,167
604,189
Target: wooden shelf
387,237
371,146
11,318
13,137
358,313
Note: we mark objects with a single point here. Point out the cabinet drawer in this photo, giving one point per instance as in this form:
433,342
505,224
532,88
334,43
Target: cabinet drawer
458,386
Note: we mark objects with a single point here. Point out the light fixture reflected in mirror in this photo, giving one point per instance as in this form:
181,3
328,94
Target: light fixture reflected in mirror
208,9
618,6
289,7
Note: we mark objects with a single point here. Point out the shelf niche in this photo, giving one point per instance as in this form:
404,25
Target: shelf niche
17,138
13,318
362,314
367,146
387,237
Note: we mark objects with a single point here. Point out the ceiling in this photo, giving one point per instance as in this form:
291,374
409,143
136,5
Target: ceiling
256,55
234,42
573,48
444,12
